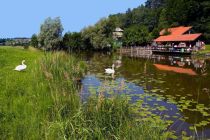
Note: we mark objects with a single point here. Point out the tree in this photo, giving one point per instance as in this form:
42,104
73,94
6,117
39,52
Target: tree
100,35
163,22
129,18
50,35
73,40
136,35
154,3
34,41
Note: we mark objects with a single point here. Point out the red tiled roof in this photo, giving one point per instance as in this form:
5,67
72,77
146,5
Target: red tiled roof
177,34
187,37
176,30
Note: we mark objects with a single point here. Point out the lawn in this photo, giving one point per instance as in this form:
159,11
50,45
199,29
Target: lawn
10,57
14,92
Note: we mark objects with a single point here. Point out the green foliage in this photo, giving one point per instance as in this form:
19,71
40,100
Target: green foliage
154,3
73,41
100,35
190,12
176,12
116,44
128,18
163,22
50,35
136,35
146,16
34,41
155,33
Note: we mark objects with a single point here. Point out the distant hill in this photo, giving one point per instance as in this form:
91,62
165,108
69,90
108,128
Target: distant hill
18,41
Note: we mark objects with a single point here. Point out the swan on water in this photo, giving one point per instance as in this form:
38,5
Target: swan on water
110,70
21,67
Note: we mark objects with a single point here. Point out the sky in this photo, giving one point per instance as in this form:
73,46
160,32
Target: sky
22,18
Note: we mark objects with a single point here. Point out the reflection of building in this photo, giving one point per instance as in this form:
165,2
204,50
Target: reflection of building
175,69
187,65
178,39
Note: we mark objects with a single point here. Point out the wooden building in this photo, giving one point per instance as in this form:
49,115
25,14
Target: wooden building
178,40
118,33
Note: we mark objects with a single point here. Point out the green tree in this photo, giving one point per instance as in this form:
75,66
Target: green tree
100,35
176,13
155,33
145,16
163,22
136,35
154,3
50,35
34,41
73,40
129,18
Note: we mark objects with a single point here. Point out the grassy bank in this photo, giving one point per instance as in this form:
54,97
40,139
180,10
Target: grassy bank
43,102
203,52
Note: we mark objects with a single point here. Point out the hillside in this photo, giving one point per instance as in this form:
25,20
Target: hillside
142,24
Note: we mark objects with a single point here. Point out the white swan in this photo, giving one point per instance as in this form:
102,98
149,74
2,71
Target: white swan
21,67
110,71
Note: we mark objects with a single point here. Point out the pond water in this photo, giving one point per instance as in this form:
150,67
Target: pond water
177,88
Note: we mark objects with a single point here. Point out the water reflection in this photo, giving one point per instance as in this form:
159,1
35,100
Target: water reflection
199,64
175,69
182,87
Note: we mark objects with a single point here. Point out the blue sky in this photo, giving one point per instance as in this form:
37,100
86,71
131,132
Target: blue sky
22,18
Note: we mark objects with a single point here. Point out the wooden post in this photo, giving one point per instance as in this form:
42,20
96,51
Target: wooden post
138,52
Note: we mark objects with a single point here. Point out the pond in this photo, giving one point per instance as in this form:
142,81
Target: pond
177,88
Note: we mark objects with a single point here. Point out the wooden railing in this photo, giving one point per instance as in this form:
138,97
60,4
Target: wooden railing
135,51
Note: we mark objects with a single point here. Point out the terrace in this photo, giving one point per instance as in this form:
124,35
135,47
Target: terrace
178,40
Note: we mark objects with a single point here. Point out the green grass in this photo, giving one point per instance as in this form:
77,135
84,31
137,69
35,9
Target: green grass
43,102
207,50
16,107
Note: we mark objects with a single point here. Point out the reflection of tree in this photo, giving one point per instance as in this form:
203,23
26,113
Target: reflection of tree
198,63
145,68
204,70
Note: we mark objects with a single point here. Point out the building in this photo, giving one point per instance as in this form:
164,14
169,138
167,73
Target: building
117,36
118,33
178,39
